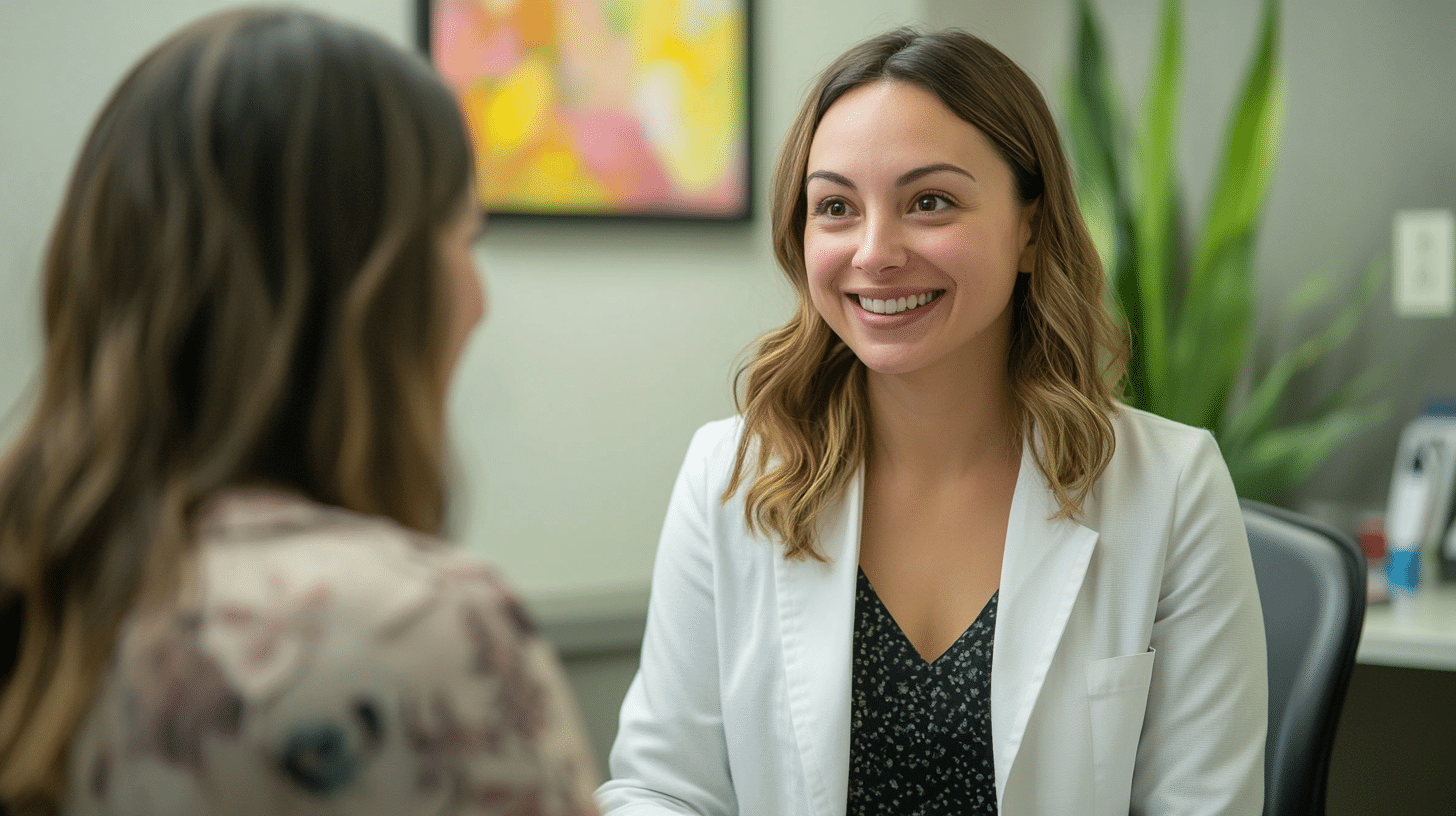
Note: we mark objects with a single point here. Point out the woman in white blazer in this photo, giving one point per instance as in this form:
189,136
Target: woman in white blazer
935,566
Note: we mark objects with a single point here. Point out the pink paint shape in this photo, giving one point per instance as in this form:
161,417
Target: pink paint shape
500,54
613,148
465,50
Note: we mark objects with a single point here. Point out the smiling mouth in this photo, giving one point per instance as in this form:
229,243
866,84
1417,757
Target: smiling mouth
898,305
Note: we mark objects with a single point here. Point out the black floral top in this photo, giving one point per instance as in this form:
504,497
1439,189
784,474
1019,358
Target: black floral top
322,662
920,733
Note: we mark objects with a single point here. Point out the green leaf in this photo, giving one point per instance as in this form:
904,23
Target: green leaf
1287,454
1248,154
1211,336
1344,322
1214,318
1094,134
1259,410
1155,229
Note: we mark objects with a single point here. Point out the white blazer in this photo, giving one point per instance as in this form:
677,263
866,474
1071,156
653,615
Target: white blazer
1128,669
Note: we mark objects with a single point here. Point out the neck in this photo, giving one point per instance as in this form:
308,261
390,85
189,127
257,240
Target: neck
942,425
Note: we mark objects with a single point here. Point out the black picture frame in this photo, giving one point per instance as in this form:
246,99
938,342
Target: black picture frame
742,206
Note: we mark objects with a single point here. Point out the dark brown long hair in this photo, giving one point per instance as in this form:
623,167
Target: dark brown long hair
803,397
242,287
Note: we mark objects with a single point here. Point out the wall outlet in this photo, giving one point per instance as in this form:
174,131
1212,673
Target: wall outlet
1425,263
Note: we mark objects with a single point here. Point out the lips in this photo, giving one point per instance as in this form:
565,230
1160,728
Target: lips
891,303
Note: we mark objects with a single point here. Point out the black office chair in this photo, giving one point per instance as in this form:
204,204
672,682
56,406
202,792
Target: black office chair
1312,586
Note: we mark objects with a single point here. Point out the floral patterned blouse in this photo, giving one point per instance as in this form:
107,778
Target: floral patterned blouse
322,662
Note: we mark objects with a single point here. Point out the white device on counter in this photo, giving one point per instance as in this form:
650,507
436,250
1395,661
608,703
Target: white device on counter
1409,518
1420,498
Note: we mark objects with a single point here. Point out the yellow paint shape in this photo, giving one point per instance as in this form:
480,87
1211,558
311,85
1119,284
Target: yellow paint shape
547,180
557,165
654,21
694,80
520,105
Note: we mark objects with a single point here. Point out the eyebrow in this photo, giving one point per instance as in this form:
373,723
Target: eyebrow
942,167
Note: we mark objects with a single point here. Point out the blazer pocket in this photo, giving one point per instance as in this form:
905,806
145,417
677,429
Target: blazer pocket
1117,696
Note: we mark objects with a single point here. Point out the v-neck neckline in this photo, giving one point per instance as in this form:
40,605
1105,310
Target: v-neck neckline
904,639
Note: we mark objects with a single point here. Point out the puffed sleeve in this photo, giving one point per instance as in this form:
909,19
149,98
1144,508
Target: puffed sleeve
670,756
1202,744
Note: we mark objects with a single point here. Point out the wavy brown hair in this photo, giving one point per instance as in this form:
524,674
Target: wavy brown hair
242,287
802,394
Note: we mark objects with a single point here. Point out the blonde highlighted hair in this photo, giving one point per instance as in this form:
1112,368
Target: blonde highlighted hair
802,395
242,287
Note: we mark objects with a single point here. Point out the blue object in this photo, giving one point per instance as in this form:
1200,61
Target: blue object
1439,406
1403,569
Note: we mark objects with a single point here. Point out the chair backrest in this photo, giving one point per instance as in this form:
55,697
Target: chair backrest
1312,586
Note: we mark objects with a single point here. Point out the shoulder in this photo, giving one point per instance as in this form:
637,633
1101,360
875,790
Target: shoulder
1150,444
716,442
1158,465
275,567
708,462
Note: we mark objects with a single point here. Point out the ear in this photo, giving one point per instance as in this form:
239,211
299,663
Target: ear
1027,261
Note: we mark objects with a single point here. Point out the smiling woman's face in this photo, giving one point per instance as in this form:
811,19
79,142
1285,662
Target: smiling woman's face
914,235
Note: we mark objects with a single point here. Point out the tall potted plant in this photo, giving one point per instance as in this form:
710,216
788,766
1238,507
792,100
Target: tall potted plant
1188,299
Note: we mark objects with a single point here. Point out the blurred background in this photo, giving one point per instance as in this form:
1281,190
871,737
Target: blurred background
608,342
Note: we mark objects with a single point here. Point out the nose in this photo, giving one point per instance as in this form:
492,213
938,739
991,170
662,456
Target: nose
881,247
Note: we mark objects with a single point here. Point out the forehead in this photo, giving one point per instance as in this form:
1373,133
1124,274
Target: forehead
895,123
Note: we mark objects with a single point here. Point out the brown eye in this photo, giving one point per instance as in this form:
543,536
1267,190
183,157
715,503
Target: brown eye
836,208
928,203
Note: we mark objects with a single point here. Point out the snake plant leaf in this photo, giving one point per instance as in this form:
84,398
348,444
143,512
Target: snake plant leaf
1156,223
1283,456
1249,151
1093,117
1210,338
1259,410
1214,321
1215,314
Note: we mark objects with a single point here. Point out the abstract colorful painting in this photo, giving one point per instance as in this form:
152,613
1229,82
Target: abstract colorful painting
601,107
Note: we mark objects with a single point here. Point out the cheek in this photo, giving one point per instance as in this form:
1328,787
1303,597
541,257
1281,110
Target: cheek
467,295
474,295
976,259
821,271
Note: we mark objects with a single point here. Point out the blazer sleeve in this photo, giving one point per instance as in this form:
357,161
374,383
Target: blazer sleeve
1202,744
670,755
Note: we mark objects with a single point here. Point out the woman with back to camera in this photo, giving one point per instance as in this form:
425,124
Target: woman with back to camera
217,528
935,566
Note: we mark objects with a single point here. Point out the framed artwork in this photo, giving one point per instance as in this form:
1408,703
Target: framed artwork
636,108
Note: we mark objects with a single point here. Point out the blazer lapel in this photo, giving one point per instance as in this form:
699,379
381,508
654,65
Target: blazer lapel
1041,574
816,619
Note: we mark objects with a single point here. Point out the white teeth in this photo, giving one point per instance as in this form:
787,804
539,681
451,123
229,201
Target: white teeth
889,307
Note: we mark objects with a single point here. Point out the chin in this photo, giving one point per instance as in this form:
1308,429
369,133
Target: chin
890,365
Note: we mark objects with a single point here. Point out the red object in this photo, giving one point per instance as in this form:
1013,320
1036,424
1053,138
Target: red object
1372,538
